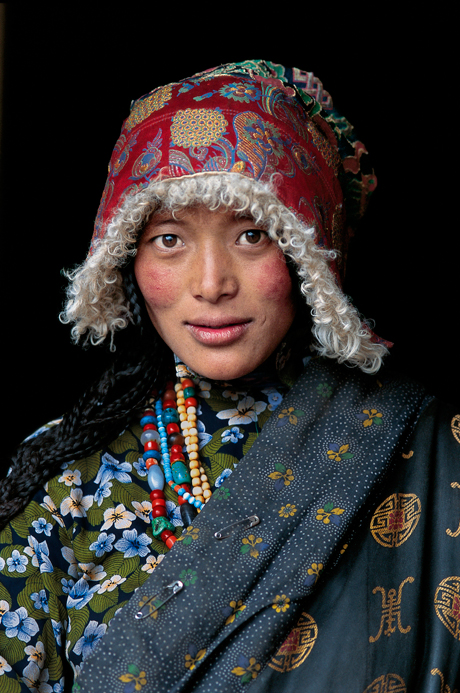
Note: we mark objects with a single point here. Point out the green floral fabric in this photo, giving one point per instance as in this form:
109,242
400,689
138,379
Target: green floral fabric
74,557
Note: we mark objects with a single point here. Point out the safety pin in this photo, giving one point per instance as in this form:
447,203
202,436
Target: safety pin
148,608
247,523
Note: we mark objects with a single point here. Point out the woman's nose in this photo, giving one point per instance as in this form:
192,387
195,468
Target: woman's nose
214,276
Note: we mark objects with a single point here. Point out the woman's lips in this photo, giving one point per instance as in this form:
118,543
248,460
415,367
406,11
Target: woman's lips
218,335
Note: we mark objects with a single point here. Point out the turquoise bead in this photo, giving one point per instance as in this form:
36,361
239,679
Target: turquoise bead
180,473
189,392
170,415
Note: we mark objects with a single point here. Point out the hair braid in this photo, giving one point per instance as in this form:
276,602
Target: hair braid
97,417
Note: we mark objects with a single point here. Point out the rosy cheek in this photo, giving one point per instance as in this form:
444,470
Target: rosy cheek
274,281
158,288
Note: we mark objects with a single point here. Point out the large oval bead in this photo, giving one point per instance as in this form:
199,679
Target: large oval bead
156,478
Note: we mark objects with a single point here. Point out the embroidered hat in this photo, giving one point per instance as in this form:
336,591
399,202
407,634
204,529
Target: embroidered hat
257,119
254,137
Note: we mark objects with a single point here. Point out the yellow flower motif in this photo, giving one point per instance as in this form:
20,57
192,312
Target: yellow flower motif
315,569
190,661
287,510
189,535
281,603
250,669
250,543
373,416
324,514
139,679
337,455
288,412
237,607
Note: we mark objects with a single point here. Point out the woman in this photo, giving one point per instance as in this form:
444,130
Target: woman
284,518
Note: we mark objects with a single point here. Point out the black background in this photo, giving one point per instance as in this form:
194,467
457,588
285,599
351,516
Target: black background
70,74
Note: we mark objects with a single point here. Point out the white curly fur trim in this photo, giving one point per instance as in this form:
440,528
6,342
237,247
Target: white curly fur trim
98,306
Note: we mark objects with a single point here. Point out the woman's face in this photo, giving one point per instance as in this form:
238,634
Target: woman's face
217,290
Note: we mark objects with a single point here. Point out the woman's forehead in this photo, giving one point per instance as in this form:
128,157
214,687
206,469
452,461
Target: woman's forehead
198,214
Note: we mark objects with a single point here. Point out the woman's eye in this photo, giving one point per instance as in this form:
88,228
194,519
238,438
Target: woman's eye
167,240
251,237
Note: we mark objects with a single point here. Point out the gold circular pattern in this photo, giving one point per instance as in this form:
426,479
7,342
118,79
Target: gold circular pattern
388,683
197,127
447,604
395,519
145,107
297,646
455,425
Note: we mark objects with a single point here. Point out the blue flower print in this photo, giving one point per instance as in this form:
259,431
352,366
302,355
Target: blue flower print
93,632
103,544
59,687
40,601
141,467
102,492
112,469
232,435
133,545
221,478
174,515
203,437
19,625
274,397
17,562
67,585
41,525
58,630
40,554
80,594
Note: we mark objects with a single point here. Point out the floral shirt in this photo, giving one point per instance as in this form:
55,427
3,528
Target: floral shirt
84,543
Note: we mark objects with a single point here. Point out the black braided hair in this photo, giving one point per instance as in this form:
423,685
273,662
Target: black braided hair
99,415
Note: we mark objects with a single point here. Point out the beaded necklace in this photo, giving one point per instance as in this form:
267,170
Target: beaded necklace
163,442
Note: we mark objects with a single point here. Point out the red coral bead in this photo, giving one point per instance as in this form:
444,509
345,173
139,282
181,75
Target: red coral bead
172,428
165,535
169,404
187,383
170,541
158,501
156,494
176,456
170,393
151,445
190,402
159,511
149,462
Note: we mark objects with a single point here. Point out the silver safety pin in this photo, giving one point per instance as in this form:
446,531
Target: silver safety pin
150,607
247,523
